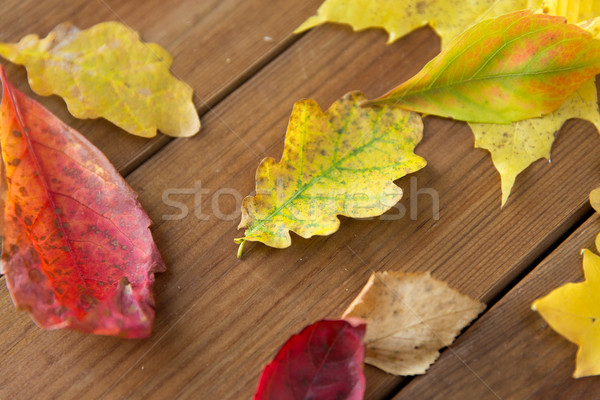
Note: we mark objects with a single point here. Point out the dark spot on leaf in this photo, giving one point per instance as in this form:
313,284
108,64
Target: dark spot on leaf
35,275
87,299
16,133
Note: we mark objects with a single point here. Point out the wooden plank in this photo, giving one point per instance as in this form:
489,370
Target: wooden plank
216,45
511,353
221,319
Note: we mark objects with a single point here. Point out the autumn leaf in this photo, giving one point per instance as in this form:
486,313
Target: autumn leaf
506,69
322,362
516,146
76,249
106,71
409,318
399,17
595,202
573,311
341,162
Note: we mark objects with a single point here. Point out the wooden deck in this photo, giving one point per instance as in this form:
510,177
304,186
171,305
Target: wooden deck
220,319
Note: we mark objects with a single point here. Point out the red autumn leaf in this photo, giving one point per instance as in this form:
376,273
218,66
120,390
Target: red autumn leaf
77,251
323,362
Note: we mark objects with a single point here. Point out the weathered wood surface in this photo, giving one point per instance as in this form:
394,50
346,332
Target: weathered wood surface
511,353
221,319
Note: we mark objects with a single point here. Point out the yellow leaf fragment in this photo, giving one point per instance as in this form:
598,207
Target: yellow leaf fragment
573,10
595,202
516,146
399,17
339,162
592,26
106,71
409,318
573,310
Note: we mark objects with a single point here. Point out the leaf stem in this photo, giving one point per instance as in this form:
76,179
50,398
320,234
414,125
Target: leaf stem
241,242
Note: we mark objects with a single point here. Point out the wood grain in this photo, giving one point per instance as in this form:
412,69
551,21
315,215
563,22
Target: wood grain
221,319
215,44
511,353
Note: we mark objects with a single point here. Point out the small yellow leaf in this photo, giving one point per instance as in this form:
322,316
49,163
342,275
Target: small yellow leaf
595,202
409,318
516,146
595,199
573,311
399,17
341,162
106,71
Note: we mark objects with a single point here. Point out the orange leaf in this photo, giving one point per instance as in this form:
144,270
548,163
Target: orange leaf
505,69
77,251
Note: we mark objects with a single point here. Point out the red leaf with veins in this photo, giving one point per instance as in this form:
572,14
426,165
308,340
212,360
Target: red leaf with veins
77,251
323,362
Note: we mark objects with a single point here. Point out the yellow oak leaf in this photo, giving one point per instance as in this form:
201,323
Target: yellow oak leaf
595,202
573,311
339,162
106,71
516,146
399,17
410,317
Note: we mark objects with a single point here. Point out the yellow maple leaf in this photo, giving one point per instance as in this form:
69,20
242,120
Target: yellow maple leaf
399,17
410,317
516,146
573,311
339,162
106,71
